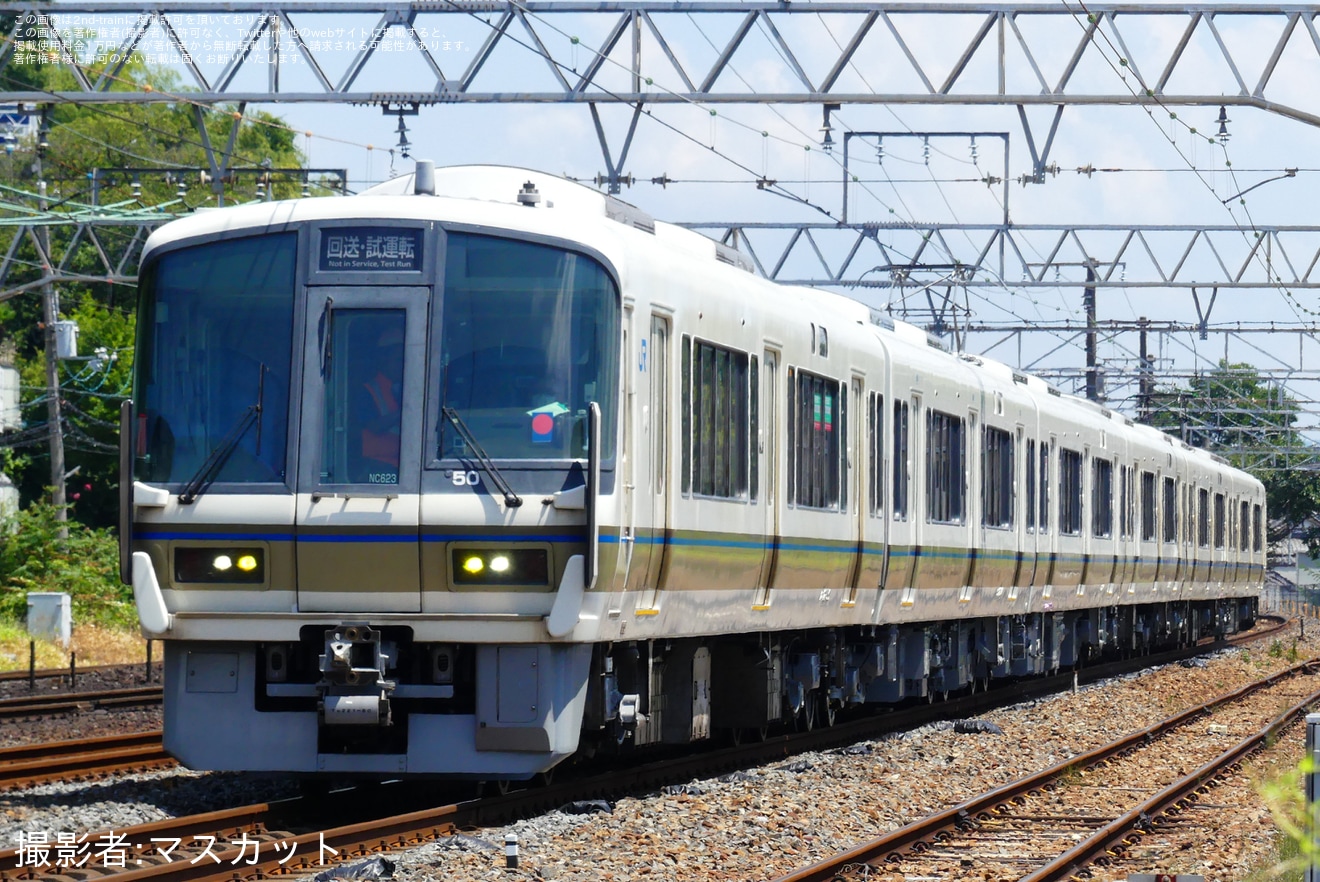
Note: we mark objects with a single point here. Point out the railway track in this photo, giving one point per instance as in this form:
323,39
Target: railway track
31,764
253,841
55,673
1051,825
67,702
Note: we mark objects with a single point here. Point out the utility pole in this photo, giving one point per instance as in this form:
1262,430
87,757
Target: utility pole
1088,303
50,314
1146,385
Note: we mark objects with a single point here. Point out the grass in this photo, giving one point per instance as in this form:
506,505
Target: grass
93,645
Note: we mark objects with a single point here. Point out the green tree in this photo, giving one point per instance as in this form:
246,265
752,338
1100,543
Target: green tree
86,565
1250,421
131,158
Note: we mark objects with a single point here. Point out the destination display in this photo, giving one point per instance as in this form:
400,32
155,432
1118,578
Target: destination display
371,249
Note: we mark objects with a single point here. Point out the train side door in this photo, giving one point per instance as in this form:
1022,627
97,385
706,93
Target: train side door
631,362
359,463
769,442
656,367
856,485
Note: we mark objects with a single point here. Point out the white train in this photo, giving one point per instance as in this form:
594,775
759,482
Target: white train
483,469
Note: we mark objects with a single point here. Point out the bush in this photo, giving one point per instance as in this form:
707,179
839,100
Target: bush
86,566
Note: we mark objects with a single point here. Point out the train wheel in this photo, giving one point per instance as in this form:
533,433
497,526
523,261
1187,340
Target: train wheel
828,712
806,719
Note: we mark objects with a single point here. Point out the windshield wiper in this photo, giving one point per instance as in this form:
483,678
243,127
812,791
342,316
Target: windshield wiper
511,499
210,469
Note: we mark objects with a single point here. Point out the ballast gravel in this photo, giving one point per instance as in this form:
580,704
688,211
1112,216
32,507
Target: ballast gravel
768,822
761,823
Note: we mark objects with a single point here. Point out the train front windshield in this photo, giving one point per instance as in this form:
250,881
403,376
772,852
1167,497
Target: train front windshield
525,341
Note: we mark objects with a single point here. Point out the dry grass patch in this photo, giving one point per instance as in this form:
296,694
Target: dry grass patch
93,645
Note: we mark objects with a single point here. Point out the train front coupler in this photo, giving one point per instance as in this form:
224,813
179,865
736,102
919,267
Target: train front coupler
353,689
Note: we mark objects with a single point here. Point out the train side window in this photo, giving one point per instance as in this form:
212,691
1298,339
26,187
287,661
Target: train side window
1030,471
875,452
1256,539
754,403
686,414
659,370
996,477
1102,497
1148,506
1203,518
902,454
1070,492
719,436
1189,507
946,450
815,454
1220,522
1131,527
1170,510
1124,502
1044,485
1244,525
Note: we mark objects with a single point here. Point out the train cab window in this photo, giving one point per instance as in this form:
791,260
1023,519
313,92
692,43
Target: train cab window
363,411
817,422
1148,506
875,452
902,458
1170,510
1070,492
1044,487
996,477
529,338
1102,497
1203,518
718,432
1220,520
214,359
1030,471
1244,525
946,451
1256,537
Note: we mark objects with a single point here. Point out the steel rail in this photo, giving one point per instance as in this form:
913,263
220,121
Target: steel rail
50,673
920,833
62,702
32,764
249,817
1112,836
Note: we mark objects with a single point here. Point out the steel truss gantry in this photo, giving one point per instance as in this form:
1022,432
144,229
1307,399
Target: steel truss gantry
638,38
637,53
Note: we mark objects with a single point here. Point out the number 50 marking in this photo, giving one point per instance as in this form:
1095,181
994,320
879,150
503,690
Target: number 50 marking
467,479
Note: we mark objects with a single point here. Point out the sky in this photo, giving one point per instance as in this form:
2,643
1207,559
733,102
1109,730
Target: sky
1148,166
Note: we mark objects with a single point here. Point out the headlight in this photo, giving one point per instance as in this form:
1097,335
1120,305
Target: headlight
238,565
491,566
